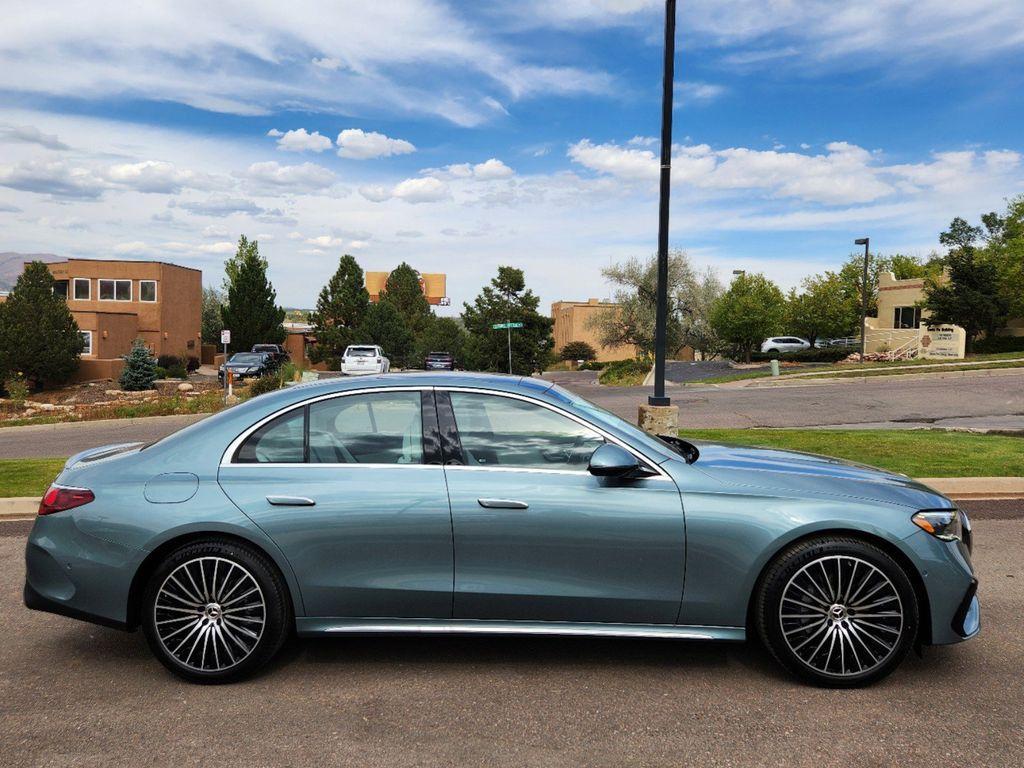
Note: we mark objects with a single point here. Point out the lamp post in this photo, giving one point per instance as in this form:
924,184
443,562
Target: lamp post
661,316
865,241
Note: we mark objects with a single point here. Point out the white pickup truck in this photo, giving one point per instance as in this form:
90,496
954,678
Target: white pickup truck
362,359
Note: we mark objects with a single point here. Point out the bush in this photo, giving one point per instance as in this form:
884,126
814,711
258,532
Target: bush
169,361
17,389
593,365
288,372
177,372
825,355
161,373
625,373
192,364
996,344
266,383
139,368
577,350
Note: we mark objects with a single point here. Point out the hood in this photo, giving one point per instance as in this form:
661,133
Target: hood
807,473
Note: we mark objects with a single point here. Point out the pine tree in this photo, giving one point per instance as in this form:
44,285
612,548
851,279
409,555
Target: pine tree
383,325
251,314
38,336
404,291
139,370
507,299
340,311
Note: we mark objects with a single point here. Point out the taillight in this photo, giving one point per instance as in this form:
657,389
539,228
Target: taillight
59,499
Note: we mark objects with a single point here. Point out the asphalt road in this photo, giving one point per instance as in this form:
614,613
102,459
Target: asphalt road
873,402
76,694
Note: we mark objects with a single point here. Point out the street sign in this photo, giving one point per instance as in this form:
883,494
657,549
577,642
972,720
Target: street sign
225,336
505,326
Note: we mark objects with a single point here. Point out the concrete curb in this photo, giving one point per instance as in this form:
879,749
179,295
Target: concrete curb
818,379
23,507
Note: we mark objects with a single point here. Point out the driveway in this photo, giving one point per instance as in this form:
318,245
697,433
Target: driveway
77,694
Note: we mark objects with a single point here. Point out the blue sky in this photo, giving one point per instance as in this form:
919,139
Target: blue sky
462,135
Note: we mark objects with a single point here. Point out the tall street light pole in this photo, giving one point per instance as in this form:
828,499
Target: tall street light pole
865,241
659,398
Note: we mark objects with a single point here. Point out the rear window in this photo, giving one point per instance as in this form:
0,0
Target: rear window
360,352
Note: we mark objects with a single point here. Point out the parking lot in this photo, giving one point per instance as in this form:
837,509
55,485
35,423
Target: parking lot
81,695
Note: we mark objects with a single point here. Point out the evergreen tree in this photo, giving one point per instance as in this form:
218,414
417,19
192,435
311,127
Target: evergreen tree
38,336
404,291
251,314
212,323
577,350
442,334
340,311
139,370
507,299
384,326
749,312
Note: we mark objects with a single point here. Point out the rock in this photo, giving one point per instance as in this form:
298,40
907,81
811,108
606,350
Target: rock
231,400
185,387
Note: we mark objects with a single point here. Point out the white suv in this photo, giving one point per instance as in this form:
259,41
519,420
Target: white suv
364,358
779,344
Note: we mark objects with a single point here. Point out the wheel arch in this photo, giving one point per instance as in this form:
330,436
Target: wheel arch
913,574
152,560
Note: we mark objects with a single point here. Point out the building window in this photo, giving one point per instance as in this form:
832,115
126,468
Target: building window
115,290
87,340
83,288
906,317
147,290
60,288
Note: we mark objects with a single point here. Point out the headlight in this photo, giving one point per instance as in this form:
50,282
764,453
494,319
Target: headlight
941,523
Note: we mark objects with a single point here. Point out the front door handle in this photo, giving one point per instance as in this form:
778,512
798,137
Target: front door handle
291,501
502,504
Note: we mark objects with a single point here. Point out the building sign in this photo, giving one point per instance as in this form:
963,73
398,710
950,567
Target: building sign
942,342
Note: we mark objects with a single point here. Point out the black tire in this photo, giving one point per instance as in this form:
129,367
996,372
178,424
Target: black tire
774,354
865,620
207,563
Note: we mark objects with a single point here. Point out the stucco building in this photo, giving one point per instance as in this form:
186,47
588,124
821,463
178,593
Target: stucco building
116,302
573,323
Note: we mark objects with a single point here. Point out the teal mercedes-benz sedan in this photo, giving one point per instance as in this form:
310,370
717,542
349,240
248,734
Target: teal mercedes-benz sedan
473,503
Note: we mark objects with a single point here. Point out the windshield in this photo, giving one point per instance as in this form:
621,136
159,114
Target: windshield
360,352
250,358
439,355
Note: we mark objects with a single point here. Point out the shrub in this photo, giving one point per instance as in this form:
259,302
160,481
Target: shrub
577,350
169,361
996,344
17,389
288,372
593,365
177,372
139,368
625,373
266,383
192,364
161,373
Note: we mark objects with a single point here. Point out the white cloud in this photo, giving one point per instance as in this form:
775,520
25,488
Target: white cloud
357,144
424,189
29,134
220,205
307,177
376,193
688,92
300,141
153,176
133,247
325,241
215,231
55,178
489,170
623,163
328,63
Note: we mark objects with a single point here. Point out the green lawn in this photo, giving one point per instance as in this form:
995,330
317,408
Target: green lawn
28,477
918,453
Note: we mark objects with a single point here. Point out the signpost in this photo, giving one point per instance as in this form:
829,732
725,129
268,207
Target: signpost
507,327
225,339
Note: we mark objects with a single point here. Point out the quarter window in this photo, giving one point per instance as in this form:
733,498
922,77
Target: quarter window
83,288
147,290
375,428
279,441
504,432
115,290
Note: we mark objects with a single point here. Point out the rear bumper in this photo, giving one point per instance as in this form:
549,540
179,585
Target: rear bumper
39,602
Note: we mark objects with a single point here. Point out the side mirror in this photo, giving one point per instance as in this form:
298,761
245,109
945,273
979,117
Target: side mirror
612,461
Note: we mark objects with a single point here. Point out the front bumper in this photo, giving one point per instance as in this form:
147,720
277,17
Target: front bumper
967,619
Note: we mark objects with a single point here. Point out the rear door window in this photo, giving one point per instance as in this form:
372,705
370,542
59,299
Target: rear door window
375,428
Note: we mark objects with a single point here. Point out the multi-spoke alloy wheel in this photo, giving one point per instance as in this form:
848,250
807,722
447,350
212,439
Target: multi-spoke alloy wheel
215,610
209,614
838,611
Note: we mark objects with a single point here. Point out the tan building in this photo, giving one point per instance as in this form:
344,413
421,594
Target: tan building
434,285
116,302
573,323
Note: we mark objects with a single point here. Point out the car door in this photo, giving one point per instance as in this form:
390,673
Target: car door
537,537
351,488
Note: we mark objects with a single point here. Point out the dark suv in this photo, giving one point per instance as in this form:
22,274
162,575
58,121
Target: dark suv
277,353
439,361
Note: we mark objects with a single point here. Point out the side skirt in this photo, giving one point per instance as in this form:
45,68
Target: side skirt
318,627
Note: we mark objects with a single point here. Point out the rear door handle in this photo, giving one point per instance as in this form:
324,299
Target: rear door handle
502,504
291,501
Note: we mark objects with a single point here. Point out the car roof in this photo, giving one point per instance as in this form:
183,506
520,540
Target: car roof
500,381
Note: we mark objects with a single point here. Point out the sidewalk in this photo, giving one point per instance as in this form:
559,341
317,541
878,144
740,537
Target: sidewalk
25,507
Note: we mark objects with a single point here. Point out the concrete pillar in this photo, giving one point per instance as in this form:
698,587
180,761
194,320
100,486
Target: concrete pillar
659,419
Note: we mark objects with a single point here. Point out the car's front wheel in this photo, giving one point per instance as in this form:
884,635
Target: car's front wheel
215,611
837,611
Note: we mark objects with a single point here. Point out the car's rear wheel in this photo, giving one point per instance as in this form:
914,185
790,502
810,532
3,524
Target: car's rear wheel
214,611
837,611
773,354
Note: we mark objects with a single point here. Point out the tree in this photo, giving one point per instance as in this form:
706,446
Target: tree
749,312
251,314
442,334
212,323
822,310
139,370
971,296
507,299
695,298
340,311
1004,249
578,350
902,266
39,338
383,325
404,291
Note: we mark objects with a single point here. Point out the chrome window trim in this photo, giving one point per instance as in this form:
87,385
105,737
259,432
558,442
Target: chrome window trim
225,460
